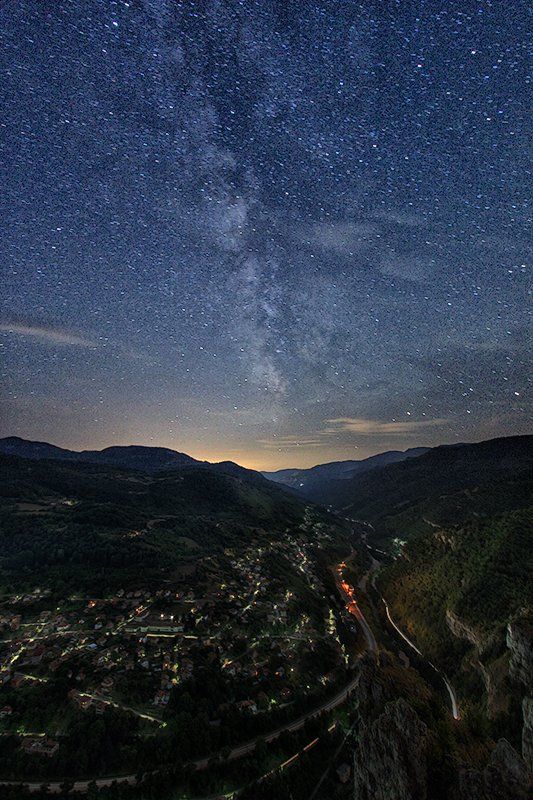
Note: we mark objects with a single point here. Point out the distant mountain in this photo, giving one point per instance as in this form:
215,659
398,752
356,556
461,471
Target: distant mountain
148,459
15,446
445,485
308,482
144,459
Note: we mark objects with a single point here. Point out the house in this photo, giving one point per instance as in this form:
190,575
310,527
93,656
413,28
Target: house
187,668
107,684
161,698
82,701
18,680
247,705
34,655
42,746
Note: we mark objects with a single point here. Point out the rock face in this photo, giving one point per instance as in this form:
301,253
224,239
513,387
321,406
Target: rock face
527,732
397,755
460,629
520,643
390,761
506,777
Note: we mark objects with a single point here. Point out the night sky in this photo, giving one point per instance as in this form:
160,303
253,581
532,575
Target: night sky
281,233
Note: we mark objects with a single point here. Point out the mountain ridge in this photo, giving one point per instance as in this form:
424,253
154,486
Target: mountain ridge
136,457
120,520
306,481
132,456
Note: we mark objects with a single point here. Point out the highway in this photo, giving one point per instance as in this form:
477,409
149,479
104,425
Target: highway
354,609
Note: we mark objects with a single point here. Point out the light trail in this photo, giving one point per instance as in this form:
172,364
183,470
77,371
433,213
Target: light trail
451,691
397,629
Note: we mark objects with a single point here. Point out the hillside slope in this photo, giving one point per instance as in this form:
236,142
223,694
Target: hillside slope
460,525
478,573
308,482
445,486
66,518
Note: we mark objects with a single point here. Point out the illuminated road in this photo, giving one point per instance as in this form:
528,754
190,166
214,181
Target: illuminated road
449,687
107,701
354,609
296,725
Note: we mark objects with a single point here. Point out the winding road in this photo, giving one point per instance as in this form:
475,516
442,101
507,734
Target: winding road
451,691
375,564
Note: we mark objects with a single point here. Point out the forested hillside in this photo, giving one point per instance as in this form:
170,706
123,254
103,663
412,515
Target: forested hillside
82,522
445,486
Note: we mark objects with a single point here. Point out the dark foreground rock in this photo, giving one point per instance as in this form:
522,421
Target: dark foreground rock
391,760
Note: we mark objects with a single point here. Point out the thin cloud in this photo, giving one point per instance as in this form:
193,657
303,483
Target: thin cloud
399,218
346,426
342,238
289,442
372,427
47,335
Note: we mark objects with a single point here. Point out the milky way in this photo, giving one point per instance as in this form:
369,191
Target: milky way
277,232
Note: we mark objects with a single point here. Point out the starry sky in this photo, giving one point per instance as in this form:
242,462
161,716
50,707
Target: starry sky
279,232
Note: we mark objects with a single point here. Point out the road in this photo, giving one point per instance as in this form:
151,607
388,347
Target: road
353,607
54,787
363,584
451,691
108,702
296,725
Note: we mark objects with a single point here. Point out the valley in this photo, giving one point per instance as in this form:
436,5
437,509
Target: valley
205,632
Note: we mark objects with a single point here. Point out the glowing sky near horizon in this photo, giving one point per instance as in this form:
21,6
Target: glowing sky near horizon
277,232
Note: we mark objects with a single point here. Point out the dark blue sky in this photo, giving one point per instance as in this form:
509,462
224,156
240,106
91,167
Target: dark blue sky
277,232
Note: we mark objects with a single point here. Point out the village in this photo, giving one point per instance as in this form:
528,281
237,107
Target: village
271,637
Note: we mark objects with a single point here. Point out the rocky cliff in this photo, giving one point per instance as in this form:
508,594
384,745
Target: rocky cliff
401,755
395,760
462,630
520,644
390,761
527,732
506,777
